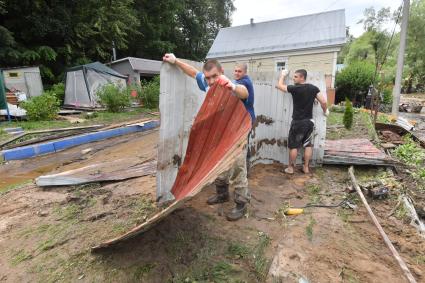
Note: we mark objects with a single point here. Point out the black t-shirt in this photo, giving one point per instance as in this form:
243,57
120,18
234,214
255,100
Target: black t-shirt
303,96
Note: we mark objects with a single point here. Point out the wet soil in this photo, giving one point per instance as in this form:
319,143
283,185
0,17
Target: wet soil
46,234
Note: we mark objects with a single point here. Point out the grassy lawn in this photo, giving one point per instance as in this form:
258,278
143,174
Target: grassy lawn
362,126
102,118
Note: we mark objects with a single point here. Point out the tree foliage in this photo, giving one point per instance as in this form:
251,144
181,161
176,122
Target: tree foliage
354,79
415,55
58,34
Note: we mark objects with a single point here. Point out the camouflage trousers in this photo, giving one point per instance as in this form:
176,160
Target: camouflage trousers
236,178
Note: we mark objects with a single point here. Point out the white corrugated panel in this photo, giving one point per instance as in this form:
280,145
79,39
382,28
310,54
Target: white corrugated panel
180,100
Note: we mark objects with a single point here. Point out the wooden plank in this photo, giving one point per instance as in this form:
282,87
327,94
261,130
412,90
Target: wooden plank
50,131
117,170
384,236
215,141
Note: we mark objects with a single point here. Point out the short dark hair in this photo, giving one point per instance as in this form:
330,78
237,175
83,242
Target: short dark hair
302,72
211,64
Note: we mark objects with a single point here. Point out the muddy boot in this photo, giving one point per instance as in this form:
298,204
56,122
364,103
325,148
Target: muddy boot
237,212
222,195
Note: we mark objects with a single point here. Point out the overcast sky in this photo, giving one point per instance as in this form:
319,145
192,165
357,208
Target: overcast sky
267,10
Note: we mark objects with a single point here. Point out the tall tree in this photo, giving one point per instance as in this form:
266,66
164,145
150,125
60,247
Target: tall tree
415,55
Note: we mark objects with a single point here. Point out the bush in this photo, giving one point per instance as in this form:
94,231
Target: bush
59,91
43,107
113,97
348,114
354,79
149,93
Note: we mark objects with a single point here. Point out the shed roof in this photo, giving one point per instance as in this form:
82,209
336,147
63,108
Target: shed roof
141,65
302,32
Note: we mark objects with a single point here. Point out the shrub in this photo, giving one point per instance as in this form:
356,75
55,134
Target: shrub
149,93
348,114
409,152
354,79
59,91
113,97
43,107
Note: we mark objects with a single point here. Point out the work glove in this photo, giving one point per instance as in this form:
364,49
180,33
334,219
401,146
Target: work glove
170,58
224,81
284,73
326,113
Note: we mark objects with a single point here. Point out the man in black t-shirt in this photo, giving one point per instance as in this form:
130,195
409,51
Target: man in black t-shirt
302,125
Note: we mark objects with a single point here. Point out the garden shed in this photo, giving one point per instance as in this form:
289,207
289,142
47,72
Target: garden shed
136,68
24,79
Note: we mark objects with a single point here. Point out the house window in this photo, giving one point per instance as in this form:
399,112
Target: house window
13,75
281,65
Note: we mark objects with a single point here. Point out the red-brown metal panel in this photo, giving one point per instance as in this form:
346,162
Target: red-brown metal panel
220,123
216,138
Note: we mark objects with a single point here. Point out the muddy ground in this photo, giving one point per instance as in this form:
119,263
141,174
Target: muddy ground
46,234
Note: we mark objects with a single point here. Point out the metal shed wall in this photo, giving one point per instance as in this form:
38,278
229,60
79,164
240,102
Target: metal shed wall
180,100
26,79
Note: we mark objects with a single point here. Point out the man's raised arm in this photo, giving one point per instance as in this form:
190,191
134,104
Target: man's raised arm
280,84
322,100
186,68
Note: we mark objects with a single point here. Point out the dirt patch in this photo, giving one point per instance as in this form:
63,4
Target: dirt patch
45,234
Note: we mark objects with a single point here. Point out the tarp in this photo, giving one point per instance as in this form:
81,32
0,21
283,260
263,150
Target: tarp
82,83
217,137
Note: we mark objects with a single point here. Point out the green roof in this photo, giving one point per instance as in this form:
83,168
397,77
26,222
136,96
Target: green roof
99,67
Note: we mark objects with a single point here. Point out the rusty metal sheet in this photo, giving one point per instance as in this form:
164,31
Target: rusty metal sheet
217,137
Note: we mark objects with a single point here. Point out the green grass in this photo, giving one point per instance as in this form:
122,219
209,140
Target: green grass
238,251
309,228
12,187
142,271
102,117
314,193
260,262
19,257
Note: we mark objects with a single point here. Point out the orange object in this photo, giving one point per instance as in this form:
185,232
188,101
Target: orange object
133,93
221,122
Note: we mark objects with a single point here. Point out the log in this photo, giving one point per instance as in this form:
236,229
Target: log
387,241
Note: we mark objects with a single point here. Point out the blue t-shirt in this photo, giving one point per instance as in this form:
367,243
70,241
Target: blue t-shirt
245,81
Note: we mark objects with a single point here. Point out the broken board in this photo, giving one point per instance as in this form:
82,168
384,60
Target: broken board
117,170
216,139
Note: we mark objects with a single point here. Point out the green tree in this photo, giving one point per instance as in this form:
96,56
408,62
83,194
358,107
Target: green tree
415,52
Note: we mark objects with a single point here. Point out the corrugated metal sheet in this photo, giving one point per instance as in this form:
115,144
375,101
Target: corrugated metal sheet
180,100
303,32
268,140
269,137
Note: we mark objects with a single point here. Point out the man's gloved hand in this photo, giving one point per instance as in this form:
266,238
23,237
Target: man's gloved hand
284,73
326,113
170,58
224,81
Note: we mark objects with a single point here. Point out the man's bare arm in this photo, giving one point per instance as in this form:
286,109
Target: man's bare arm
239,90
322,100
281,84
186,68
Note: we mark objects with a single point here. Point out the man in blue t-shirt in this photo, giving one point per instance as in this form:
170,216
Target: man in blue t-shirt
242,87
